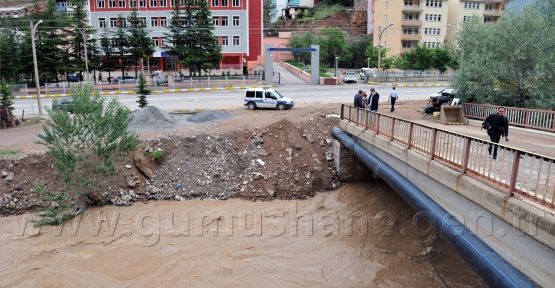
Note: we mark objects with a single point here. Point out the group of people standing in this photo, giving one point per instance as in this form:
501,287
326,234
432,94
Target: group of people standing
362,100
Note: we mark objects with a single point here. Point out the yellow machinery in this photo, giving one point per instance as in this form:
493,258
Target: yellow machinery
452,115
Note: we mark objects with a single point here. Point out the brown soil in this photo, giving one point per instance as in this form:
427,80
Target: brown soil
214,160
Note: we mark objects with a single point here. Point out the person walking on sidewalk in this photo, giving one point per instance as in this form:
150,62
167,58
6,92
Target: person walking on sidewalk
358,100
373,100
497,126
393,96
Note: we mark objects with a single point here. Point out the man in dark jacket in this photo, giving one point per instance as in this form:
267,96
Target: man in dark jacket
358,100
497,125
373,100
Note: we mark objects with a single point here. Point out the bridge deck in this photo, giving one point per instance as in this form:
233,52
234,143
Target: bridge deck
516,170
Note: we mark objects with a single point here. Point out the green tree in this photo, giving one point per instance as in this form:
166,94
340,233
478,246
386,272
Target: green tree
108,62
372,53
140,44
6,101
510,62
177,35
332,44
142,92
78,26
206,51
87,143
304,40
121,44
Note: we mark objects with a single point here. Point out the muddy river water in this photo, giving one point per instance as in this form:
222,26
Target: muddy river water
361,235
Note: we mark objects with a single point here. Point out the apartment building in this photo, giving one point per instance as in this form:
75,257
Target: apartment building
66,6
238,27
463,10
432,23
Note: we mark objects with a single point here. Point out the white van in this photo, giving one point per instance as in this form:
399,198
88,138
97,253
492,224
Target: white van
266,98
367,73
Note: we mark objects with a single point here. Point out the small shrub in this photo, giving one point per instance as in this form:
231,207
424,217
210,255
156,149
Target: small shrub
6,100
55,208
90,140
142,91
8,152
157,155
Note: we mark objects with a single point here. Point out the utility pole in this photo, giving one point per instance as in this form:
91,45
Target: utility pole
84,33
379,49
35,64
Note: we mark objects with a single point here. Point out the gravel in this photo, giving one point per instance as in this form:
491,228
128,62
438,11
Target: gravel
209,116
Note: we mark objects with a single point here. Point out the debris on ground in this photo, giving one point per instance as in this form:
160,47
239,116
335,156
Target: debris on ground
152,118
209,116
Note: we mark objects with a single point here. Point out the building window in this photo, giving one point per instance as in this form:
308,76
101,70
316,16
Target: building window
409,3
472,5
113,22
121,3
432,31
163,21
154,22
224,21
143,21
132,3
236,3
156,41
410,31
235,20
112,3
102,22
434,3
225,3
235,40
142,3
172,3
215,20
100,4
225,40
163,3
433,17
215,3
489,7
153,3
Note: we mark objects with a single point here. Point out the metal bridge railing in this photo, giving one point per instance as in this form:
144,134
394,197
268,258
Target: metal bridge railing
514,171
527,118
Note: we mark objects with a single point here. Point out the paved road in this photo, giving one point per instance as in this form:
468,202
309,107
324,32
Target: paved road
301,94
286,77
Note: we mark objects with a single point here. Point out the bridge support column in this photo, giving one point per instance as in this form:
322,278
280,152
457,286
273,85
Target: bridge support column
349,168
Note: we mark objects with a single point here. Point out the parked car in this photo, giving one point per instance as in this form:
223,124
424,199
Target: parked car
125,79
449,92
73,77
63,103
266,98
367,73
349,77
443,97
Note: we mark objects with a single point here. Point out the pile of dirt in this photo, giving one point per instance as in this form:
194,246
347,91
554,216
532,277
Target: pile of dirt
152,118
209,116
283,160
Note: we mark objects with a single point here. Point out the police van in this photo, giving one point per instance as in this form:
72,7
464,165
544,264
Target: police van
266,98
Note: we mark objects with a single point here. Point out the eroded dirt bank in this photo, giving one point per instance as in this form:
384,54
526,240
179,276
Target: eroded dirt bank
361,236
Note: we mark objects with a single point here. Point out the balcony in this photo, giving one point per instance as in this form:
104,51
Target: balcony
494,13
409,22
411,37
412,8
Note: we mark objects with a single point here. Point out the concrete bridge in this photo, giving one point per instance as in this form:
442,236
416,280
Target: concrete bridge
504,207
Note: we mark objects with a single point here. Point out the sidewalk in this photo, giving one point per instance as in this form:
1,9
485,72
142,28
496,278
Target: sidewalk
530,142
411,84
154,92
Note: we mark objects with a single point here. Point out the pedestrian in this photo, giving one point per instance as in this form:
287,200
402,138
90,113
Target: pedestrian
364,99
373,100
497,126
358,100
393,96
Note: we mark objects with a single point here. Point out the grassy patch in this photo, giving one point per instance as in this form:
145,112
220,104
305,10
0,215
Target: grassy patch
8,152
321,12
54,210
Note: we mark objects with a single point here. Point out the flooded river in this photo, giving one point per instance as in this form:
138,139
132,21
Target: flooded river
361,235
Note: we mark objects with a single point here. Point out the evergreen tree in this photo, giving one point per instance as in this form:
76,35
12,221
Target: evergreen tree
142,91
140,44
121,44
108,50
78,24
207,49
177,41
6,93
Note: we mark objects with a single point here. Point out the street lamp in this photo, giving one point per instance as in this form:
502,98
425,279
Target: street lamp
379,47
368,62
37,82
